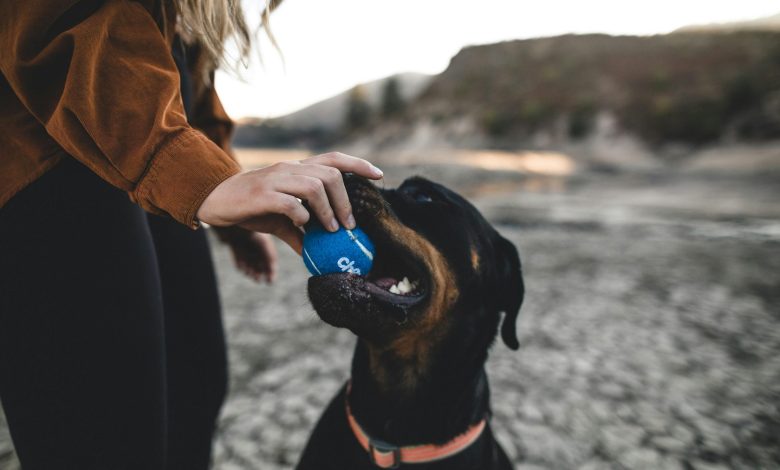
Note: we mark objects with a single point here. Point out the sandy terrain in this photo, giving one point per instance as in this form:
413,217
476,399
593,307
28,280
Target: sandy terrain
650,336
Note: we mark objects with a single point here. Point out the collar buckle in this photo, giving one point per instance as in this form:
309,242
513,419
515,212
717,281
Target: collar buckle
382,448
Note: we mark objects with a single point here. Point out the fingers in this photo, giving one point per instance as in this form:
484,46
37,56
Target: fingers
291,235
318,181
254,253
264,261
312,190
288,206
337,201
346,163
246,267
244,196
272,258
280,226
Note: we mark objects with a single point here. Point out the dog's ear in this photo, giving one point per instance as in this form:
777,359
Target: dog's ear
510,289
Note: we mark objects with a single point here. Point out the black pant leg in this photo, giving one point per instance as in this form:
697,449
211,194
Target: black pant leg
82,376
194,340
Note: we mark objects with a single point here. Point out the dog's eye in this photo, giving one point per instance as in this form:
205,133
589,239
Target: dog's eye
421,197
417,194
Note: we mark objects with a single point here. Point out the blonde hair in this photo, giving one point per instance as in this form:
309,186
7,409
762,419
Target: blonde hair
211,23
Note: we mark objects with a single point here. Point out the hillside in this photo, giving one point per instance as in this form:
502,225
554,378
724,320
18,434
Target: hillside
691,88
329,114
322,122
768,23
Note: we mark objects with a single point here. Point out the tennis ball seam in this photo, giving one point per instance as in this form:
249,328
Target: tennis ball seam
313,264
360,245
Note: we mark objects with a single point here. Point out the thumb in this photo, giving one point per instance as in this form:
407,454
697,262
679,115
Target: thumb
281,227
290,234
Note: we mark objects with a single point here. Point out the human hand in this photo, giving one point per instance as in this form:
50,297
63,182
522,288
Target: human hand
254,253
267,200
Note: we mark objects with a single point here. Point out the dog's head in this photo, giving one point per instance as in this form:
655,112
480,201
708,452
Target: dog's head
462,274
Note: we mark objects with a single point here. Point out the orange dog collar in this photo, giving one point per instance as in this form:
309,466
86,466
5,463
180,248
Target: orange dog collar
386,455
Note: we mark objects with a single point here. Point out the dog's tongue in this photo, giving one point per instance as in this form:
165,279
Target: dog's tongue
386,282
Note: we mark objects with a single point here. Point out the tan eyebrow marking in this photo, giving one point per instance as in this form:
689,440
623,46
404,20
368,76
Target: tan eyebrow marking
474,258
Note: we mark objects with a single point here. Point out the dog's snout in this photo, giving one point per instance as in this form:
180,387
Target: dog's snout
364,196
354,182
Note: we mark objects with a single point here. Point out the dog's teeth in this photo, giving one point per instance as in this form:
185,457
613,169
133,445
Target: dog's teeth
404,287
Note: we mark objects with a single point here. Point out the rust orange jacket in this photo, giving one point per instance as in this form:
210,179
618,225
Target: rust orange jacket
95,80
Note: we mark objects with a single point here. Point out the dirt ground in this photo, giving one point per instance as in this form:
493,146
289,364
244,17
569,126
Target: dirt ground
650,335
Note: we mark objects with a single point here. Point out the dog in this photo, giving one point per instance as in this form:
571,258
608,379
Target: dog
425,317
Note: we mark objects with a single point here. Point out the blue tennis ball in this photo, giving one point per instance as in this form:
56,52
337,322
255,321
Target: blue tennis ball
336,252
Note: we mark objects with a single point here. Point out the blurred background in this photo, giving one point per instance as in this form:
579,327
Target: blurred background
631,150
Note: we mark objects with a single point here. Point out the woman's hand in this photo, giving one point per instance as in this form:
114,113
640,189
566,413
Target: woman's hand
267,200
254,253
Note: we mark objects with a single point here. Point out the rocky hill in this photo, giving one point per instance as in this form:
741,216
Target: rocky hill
689,88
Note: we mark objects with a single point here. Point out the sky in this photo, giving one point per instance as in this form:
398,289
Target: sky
330,46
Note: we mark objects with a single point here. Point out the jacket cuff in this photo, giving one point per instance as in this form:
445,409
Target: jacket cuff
181,174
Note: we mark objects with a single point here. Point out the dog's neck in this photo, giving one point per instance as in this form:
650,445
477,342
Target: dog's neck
434,408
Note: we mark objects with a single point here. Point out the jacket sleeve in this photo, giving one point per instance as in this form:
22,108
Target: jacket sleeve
100,77
210,117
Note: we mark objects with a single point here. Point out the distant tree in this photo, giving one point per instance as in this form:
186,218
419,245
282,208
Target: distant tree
358,109
392,101
581,119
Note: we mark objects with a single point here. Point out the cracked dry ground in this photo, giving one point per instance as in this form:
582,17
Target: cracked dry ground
644,344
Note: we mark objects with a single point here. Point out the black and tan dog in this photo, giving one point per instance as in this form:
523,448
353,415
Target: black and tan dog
418,397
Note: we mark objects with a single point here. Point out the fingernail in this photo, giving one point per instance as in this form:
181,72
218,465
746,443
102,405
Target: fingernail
334,224
351,222
376,171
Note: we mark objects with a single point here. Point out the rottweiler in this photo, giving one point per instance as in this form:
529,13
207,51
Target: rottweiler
425,317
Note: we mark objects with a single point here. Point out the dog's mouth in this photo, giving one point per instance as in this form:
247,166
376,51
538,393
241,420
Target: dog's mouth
397,277
397,285
398,281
